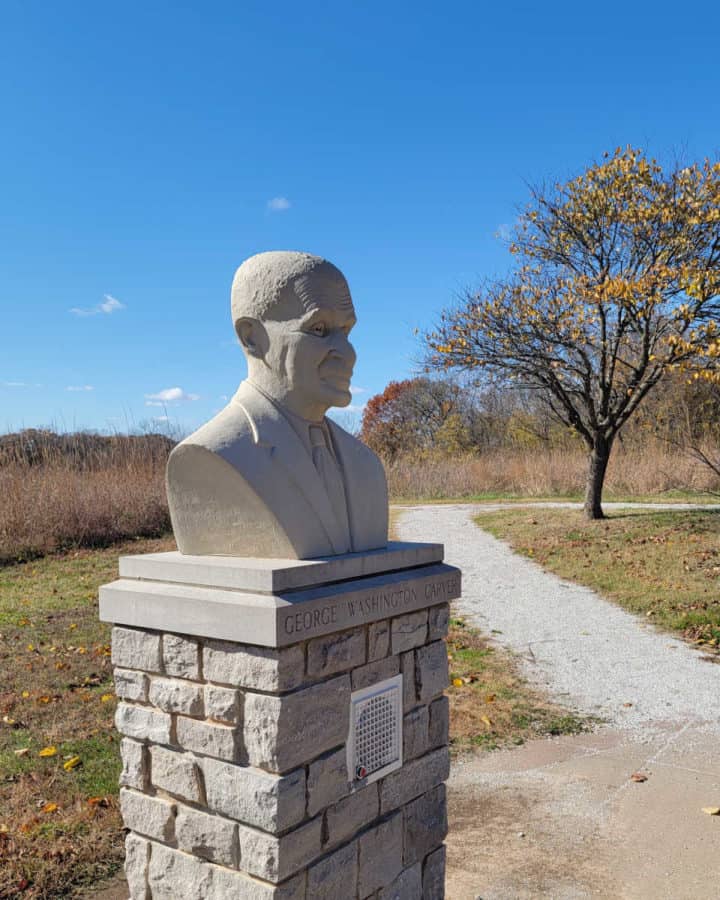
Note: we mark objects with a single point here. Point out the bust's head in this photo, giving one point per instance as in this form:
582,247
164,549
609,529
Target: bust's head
293,313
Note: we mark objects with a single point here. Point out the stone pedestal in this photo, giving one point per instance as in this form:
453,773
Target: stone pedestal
242,685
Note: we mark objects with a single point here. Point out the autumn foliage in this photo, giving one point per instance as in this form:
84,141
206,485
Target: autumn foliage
617,284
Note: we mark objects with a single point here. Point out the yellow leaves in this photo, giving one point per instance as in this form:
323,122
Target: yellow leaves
48,751
486,721
8,720
71,763
50,808
25,695
457,682
106,698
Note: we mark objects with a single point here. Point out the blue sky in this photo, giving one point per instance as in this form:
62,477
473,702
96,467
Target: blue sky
142,146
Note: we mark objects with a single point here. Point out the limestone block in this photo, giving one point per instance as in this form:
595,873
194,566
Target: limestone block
134,649
137,857
131,685
438,621
151,816
415,778
271,802
284,732
434,875
142,723
380,855
259,668
431,671
407,886
174,874
425,825
175,695
378,640
181,656
439,730
205,835
335,876
134,768
277,858
346,817
375,671
327,781
223,704
229,885
177,773
409,631
407,667
336,652
210,739
415,732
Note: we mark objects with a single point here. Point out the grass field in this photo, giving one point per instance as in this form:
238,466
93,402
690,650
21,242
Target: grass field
60,827
664,565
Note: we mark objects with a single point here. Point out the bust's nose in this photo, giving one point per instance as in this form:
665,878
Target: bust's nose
342,348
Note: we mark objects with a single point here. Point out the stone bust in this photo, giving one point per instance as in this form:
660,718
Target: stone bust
270,475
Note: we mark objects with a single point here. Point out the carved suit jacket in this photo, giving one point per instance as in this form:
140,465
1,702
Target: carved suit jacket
244,484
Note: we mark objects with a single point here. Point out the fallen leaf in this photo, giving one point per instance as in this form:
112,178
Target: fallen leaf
105,698
711,810
22,752
49,807
486,720
73,625
490,698
457,682
8,721
43,699
25,694
627,704
71,763
98,801
3,828
639,777
48,751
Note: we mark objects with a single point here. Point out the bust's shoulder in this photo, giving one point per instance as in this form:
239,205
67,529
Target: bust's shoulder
351,447
227,428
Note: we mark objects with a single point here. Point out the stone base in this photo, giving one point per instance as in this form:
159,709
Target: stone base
235,711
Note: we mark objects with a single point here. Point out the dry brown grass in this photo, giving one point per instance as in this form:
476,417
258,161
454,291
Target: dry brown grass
541,472
58,499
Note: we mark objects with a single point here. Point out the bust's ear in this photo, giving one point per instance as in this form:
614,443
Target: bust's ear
253,336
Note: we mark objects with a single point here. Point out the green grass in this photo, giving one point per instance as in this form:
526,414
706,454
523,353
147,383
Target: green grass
663,565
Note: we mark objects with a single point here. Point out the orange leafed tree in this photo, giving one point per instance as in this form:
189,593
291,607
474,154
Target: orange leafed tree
617,283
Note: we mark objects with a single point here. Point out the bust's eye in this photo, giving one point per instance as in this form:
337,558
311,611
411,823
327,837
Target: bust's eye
319,329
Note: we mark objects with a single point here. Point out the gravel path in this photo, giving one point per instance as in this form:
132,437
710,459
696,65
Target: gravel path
576,644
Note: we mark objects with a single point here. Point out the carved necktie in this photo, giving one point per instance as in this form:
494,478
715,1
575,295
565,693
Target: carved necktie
331,476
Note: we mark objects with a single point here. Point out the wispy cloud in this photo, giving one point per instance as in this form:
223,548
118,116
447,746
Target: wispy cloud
504,232
278,204
13,383
109,305
357,390
169,396
355,407
80,387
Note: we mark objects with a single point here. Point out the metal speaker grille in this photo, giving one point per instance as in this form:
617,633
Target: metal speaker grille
375,741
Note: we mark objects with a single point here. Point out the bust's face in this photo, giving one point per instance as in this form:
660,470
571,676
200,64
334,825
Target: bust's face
310,357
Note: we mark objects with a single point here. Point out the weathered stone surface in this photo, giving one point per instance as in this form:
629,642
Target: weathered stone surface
175,695
134,649
438,621
409,631
439,730
407,886
229,885
407,667
415,733
181,656
434,875
415,778
375,671
327,781
210,739
346,817
151,816
425,825
260,668
336,652
177,773
431,671
131,685
205,835
174,874
378,640
137,857
142,723
271,802
277,858
335,876
380,855
134,768
284,732
223,704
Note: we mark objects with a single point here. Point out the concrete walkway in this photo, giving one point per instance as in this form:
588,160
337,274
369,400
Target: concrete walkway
561,818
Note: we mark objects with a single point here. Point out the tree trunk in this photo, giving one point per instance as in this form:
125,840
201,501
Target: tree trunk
598,463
